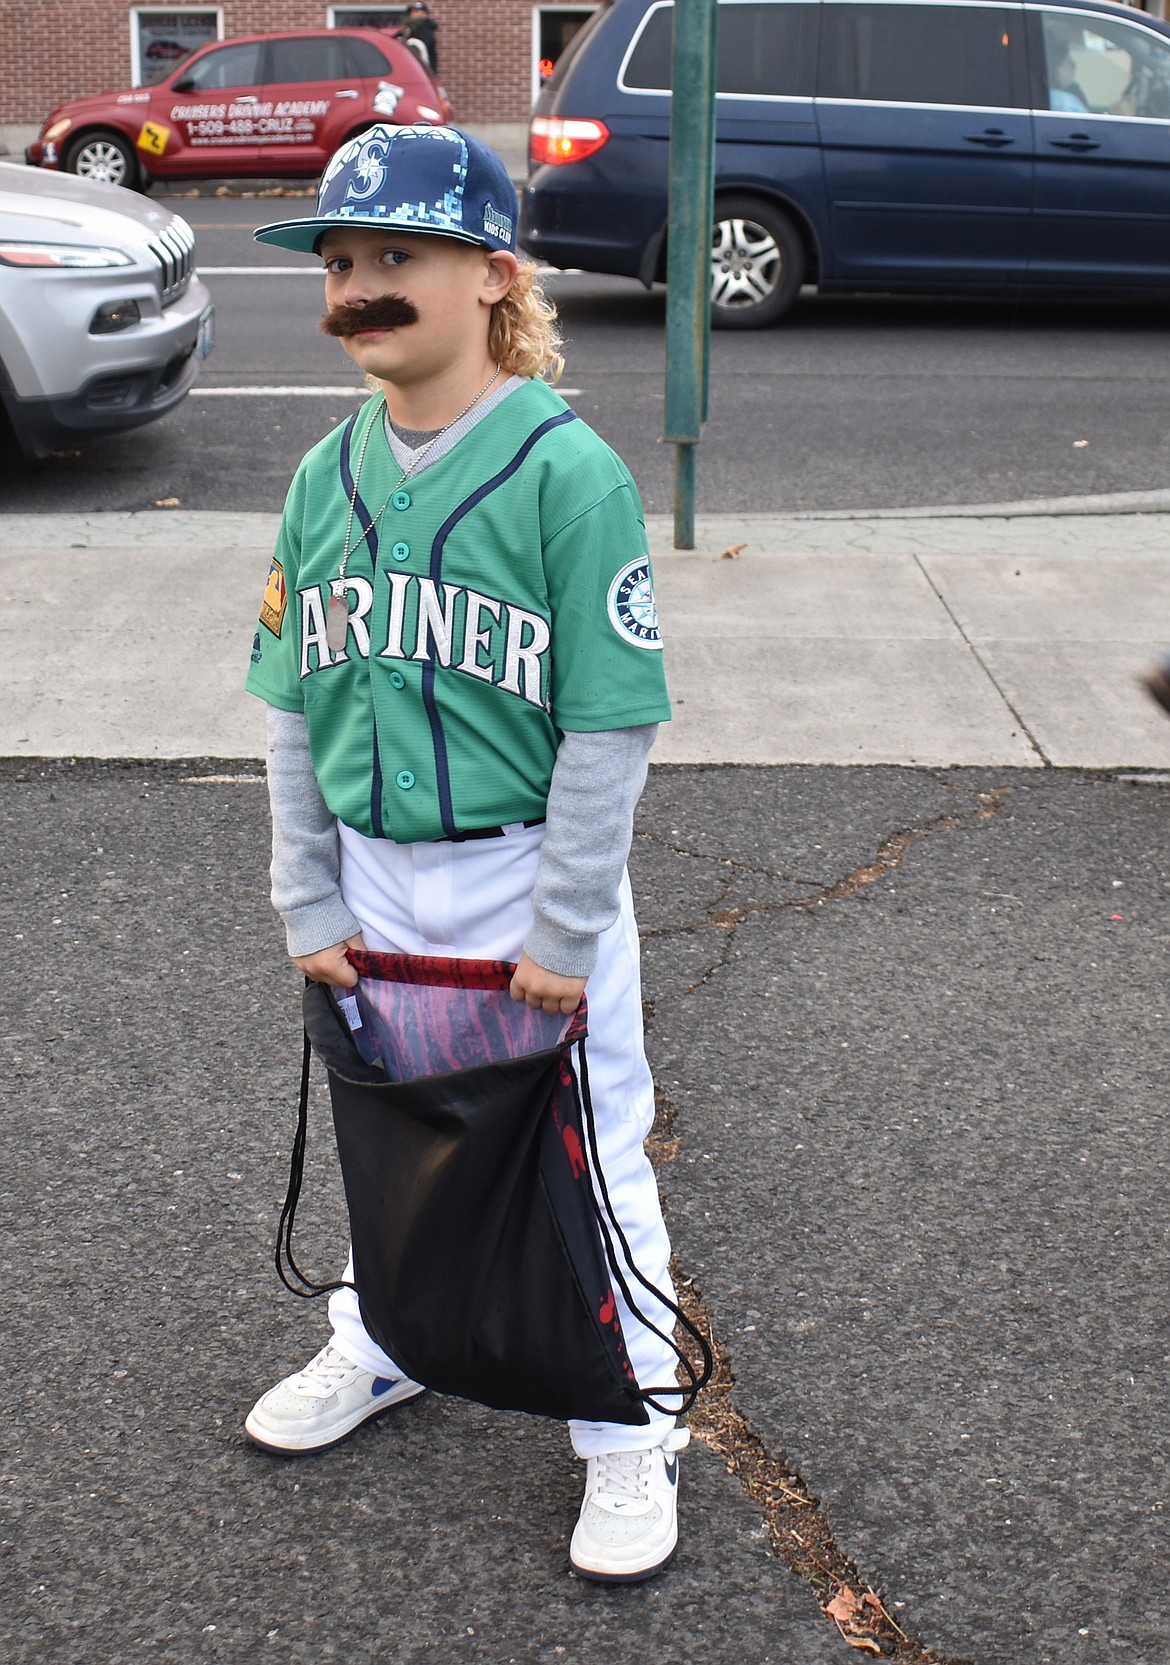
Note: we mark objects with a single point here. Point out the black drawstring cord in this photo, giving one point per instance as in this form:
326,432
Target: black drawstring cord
697,1381
284,1230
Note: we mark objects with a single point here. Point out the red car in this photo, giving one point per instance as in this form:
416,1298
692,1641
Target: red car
257,105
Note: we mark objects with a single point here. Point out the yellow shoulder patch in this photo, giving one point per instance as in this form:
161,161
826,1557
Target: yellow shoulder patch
275,600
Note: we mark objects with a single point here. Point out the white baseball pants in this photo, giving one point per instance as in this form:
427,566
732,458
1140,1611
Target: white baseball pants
473,900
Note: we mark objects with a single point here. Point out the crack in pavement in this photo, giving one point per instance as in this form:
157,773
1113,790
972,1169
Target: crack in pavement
889,857
799,1533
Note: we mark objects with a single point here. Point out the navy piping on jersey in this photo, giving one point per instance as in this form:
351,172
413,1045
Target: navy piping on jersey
376,781
438,738
365,521
364,518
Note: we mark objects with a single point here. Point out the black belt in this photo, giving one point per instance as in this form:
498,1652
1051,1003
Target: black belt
485,832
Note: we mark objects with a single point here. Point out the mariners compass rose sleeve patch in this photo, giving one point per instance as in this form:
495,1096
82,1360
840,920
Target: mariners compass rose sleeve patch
275,600
632,610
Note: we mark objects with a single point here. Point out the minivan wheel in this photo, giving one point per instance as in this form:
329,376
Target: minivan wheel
757,264
106,158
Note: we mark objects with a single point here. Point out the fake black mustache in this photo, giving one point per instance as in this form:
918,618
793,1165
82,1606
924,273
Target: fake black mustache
387,312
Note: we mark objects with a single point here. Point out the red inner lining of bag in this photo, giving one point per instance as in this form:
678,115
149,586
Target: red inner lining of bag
435,973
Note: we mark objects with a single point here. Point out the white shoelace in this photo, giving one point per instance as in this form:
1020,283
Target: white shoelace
327,1369
624,1474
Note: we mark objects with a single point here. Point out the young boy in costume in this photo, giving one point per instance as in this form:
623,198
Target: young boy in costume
459,653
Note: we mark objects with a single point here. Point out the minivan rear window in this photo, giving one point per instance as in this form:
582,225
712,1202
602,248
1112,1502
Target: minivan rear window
767,49
916,54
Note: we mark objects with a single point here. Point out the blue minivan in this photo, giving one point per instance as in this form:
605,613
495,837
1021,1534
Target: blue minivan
896,145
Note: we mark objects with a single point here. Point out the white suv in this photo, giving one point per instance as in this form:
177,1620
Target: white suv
103,319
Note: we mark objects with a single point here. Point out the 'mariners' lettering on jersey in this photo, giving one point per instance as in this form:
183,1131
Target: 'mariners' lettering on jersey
444,624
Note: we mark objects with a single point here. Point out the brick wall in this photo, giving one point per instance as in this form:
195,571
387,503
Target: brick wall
51,50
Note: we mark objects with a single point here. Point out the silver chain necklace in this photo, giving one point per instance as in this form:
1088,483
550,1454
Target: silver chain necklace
337,615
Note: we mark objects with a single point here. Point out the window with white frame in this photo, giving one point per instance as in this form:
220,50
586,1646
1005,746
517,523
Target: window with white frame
553,27
160,39
365,17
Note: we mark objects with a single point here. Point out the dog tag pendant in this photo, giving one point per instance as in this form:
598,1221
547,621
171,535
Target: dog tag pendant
337,622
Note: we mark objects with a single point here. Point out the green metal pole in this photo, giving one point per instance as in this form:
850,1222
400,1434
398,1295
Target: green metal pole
688,262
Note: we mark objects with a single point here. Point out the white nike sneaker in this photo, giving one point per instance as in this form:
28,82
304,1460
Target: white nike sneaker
322,1403
628,1527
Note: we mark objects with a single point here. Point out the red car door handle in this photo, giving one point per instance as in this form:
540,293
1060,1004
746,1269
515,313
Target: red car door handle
992,137
1076,141
348,93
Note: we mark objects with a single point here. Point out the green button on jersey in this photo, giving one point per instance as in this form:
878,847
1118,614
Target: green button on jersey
523,606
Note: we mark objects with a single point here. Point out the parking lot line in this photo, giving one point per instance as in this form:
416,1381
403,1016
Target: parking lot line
271,392
317,271
261,271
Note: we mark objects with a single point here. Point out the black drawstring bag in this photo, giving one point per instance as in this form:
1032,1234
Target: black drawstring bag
483,1262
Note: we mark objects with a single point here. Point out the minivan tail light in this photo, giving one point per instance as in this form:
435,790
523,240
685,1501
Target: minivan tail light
556,140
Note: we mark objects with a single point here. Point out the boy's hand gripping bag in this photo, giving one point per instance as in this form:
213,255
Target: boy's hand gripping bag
484,1261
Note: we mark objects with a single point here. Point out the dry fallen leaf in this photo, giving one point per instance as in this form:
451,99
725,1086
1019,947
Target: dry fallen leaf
846,1609
731,553
167,502
844,1606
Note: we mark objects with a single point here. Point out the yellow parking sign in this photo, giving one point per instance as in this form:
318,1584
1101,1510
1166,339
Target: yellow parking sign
153,137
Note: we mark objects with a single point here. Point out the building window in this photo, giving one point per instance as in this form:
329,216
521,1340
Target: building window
366,17
160,40
553,27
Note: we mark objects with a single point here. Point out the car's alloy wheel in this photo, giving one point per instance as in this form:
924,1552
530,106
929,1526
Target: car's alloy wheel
757,264
103,158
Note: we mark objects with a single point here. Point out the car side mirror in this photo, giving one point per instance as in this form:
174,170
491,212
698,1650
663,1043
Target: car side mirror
185,85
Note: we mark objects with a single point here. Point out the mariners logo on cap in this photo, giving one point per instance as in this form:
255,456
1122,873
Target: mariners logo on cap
632,609
367,172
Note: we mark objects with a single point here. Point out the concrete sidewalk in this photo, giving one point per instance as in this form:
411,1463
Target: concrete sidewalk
953,638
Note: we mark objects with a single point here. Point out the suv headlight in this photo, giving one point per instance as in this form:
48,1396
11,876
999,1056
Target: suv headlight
77,256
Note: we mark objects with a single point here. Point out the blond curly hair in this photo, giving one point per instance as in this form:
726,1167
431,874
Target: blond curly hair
524,336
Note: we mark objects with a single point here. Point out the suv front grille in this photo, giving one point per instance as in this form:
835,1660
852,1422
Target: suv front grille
174,250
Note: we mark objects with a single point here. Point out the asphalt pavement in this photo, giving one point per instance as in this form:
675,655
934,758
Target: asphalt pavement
862,403
906,1019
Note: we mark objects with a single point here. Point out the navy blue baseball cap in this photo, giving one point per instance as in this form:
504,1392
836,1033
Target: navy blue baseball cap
430,179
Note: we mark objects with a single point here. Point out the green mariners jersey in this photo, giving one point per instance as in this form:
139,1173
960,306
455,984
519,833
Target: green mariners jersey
500,597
